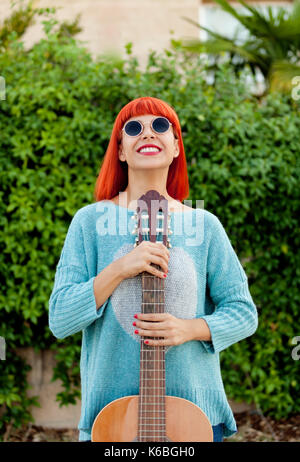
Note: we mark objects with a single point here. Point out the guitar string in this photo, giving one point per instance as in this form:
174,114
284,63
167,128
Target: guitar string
159,397
155,398
156,354
155,351
160,353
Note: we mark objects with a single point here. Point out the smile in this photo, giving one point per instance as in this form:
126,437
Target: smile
149,150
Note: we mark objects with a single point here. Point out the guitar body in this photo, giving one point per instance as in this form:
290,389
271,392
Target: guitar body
118,422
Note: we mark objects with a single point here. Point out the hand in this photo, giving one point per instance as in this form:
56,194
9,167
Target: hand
174,331
140,258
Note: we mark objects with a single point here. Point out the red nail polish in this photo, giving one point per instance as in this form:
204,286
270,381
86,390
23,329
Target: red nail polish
136,331
146,341
135,316
134,323
165,275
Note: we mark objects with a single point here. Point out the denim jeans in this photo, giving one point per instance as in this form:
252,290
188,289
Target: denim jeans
218,433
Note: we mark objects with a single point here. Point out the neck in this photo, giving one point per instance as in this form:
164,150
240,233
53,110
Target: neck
129,197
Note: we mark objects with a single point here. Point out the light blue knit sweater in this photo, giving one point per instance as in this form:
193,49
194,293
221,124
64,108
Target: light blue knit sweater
205,280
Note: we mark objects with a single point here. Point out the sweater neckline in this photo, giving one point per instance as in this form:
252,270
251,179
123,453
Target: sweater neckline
133,211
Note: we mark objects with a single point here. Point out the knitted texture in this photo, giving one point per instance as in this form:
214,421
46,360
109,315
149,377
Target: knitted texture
205,280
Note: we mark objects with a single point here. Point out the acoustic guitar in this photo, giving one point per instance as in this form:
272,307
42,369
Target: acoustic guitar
151,415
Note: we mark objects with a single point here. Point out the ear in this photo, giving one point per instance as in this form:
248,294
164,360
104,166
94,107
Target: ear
176,148
121,154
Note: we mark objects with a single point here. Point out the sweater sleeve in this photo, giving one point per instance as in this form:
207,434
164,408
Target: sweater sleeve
72,304
235,315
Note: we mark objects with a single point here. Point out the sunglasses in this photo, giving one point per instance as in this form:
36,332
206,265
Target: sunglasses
158,125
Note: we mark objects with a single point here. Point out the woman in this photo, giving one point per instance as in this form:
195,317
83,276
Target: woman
97,287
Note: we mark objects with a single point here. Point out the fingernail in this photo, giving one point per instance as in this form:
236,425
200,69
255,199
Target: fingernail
136,331
165,275
135,316
134,323
146,341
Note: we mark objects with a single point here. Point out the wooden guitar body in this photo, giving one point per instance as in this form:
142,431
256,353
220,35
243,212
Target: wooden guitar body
184,421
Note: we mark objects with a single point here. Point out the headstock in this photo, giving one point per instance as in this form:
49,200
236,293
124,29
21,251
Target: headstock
152,219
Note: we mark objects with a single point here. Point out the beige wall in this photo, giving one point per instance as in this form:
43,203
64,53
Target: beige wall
39,378
110,24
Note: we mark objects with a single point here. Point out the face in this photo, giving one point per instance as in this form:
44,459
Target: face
166,142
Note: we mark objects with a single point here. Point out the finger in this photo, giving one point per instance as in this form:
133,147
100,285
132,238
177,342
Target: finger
160,260
153,316
157,342
156,272
150,333
164,249
161,251
150,325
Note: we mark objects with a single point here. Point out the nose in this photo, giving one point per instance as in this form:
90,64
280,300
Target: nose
147,132
148,135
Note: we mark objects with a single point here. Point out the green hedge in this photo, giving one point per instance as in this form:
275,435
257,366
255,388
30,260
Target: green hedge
243,161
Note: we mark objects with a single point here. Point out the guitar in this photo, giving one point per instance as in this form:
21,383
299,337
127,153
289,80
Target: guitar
151,415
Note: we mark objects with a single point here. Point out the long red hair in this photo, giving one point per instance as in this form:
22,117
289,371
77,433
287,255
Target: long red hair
113,175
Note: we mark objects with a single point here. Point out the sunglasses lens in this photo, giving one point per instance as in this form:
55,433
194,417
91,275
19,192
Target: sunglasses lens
133,128
160,125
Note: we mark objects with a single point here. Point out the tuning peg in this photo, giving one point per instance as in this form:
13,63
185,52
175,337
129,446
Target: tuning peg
134,231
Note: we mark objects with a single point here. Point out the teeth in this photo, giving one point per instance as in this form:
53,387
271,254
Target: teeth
149,150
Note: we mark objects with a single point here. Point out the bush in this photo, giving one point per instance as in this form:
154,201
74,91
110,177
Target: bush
243,160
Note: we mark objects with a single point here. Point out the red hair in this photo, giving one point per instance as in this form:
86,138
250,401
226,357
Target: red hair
113,175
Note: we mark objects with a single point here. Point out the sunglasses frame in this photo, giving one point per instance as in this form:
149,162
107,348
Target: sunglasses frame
151,125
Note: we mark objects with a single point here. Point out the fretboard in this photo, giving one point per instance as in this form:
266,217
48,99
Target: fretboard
152,424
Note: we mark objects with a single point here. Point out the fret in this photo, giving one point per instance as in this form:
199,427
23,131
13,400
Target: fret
151,351
159,418
145,369
147,431
153,290
152,425
153,303
153,388
152,346
152,413
157,370
153,403
150,380
151,276
161,359
142,387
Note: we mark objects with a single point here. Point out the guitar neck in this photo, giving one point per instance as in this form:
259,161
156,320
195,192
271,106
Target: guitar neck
152,225
152,362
